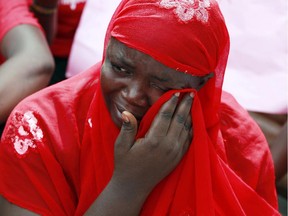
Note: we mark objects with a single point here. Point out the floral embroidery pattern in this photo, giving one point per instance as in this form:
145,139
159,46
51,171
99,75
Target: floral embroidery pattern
187,212
73,3
185,10
26,132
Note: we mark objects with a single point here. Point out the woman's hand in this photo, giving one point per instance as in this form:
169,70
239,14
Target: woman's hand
142,164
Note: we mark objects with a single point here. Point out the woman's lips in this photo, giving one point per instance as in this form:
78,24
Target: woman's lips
122,109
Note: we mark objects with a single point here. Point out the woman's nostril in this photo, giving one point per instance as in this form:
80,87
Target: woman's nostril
136,97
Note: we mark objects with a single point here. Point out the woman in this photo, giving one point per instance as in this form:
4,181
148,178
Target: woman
80,152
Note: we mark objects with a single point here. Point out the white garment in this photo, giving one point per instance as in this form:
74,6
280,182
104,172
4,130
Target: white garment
257,71
88,42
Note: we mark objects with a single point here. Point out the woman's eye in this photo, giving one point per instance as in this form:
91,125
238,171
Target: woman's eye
159,87
120,69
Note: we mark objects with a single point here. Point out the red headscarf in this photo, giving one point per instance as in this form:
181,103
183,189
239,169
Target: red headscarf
197,46
69,156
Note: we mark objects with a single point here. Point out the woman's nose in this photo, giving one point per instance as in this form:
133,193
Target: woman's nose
136,94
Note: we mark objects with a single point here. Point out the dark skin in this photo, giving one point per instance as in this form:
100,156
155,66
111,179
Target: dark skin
27,69
131,82
279,153
48,21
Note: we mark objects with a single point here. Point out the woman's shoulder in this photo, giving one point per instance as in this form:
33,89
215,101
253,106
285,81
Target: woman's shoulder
64,94
49,124
247,150
241,133
56,106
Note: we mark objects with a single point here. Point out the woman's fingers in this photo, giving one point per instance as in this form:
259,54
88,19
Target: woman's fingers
180,120
153,157
171,118
186,135
162,121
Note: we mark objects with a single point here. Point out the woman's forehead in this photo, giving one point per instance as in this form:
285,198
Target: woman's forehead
135,59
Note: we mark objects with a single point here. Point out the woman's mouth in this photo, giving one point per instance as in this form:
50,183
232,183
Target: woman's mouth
121,109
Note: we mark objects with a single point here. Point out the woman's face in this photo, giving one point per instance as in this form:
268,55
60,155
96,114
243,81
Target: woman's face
133,81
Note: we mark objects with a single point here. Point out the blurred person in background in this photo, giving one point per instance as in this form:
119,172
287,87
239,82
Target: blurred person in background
60,19
26,61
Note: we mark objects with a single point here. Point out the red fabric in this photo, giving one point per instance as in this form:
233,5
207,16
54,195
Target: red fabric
227,170
14,13
46,179
68,20
69,15
61,176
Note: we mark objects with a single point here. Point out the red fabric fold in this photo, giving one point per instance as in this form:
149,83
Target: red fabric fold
202,184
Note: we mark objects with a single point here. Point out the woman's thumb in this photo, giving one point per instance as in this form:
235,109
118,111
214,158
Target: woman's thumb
126,137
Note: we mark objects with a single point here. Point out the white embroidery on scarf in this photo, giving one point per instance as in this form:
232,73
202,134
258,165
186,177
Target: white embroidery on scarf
185,10
90,122
72,3
187,212
21,145
28,132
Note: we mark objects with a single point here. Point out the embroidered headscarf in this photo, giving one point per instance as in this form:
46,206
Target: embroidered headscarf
188,36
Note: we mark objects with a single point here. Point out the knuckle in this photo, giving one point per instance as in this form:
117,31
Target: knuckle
188,99
166,114
187,126
127,128
174,99
172,148
180,119
154,143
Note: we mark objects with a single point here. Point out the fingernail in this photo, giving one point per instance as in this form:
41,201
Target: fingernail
192,94
177,94
125,118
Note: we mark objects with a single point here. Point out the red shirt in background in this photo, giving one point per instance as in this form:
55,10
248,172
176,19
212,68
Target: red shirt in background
69,14
12,14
